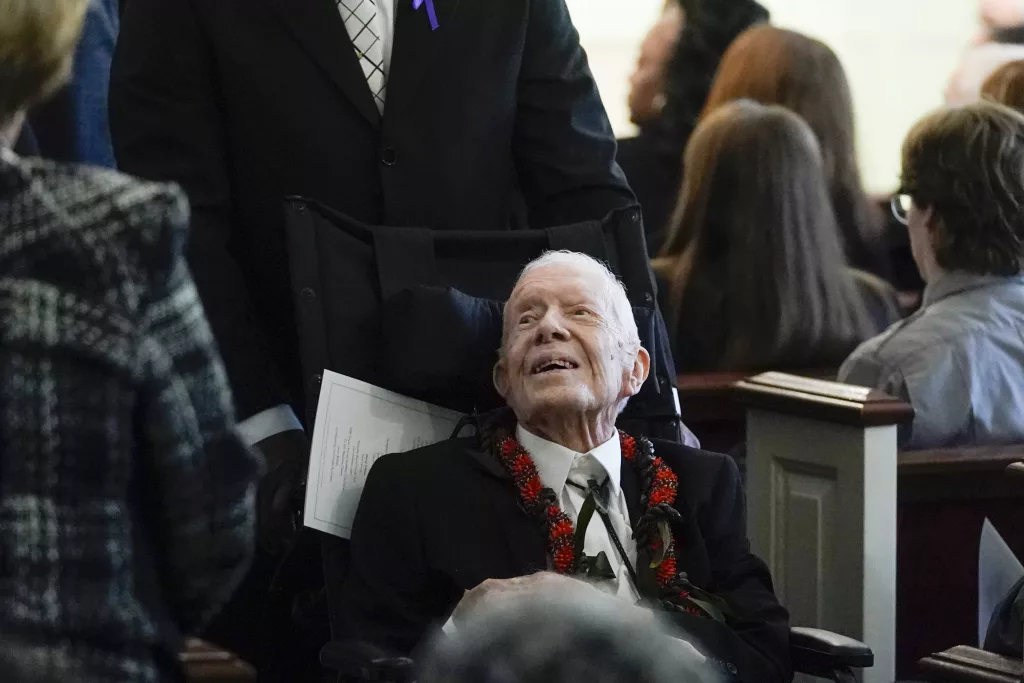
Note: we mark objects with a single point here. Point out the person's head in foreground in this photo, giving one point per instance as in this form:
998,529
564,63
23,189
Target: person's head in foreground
37,45
960,360
754,265
1006,85
570,353
777,66
562,638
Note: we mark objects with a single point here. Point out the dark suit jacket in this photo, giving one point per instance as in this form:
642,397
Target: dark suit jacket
491,119
656,177
437,521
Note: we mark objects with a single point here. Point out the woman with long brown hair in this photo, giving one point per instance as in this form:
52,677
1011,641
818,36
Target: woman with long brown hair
669,88
753,272
776,66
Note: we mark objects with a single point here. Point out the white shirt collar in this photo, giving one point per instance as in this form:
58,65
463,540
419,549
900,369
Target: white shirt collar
554,461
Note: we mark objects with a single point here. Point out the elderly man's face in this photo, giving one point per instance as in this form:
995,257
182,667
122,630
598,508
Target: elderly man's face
563,351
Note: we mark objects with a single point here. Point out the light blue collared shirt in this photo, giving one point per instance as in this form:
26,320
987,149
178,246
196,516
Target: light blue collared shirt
959,361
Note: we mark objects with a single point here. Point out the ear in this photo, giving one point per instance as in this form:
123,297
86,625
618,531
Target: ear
931,219
500,377
638,375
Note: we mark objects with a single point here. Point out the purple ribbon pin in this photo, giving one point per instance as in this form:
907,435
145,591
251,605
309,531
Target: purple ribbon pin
431,14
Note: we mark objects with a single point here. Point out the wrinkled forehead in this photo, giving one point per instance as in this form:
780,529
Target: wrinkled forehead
560,283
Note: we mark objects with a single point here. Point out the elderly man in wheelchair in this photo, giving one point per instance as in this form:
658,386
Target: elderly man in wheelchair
549,493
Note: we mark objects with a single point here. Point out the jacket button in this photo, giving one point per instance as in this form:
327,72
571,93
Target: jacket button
389,156
309,294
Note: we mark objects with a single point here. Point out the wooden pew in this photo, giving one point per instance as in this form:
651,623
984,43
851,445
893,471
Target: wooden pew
944,497
709,408
821,462
207,663
962,664
708,405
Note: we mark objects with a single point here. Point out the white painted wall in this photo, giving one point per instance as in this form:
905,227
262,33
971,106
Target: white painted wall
898,55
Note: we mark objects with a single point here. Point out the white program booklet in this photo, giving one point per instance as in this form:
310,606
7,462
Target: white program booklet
998,570
356,423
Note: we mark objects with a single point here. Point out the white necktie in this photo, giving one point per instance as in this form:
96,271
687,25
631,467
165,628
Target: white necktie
362,19
584,469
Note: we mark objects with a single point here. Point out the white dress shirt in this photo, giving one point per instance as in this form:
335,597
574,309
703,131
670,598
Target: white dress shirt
386,30
555,465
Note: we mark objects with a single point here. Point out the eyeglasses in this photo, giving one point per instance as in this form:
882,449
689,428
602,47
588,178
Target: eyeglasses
900,205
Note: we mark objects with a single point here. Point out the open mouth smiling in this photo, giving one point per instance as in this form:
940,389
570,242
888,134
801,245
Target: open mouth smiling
548,365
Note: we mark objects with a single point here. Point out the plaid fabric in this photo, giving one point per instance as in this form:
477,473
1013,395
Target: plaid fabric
126,499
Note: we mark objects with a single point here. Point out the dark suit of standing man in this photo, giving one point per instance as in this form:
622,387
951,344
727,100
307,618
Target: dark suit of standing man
491,121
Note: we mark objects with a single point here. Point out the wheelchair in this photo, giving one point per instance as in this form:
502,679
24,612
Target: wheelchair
413,310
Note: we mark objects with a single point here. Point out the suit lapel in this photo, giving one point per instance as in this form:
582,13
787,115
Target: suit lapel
522,538
415,47
318,27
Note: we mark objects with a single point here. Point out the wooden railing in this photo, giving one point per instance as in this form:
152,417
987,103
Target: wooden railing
963,664
203,662
943,496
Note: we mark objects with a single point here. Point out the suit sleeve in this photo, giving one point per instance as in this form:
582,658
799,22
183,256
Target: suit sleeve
167,125
387,597
564,145
201,476
754,646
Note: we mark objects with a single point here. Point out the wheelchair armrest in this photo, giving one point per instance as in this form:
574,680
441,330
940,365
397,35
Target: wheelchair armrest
818,652
363,661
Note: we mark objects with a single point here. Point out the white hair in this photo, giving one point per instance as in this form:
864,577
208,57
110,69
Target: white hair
624,322
571,637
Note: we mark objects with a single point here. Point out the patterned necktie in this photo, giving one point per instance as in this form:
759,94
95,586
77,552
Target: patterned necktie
584,469
362,19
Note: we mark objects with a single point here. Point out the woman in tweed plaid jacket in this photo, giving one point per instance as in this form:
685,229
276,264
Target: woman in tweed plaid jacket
126,499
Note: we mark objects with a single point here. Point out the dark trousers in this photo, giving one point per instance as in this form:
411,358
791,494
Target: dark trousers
259,624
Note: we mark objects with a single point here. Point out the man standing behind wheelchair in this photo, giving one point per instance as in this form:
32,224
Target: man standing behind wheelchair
549,493
434,114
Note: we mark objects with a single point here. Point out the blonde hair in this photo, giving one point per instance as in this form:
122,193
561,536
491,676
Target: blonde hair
37,43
